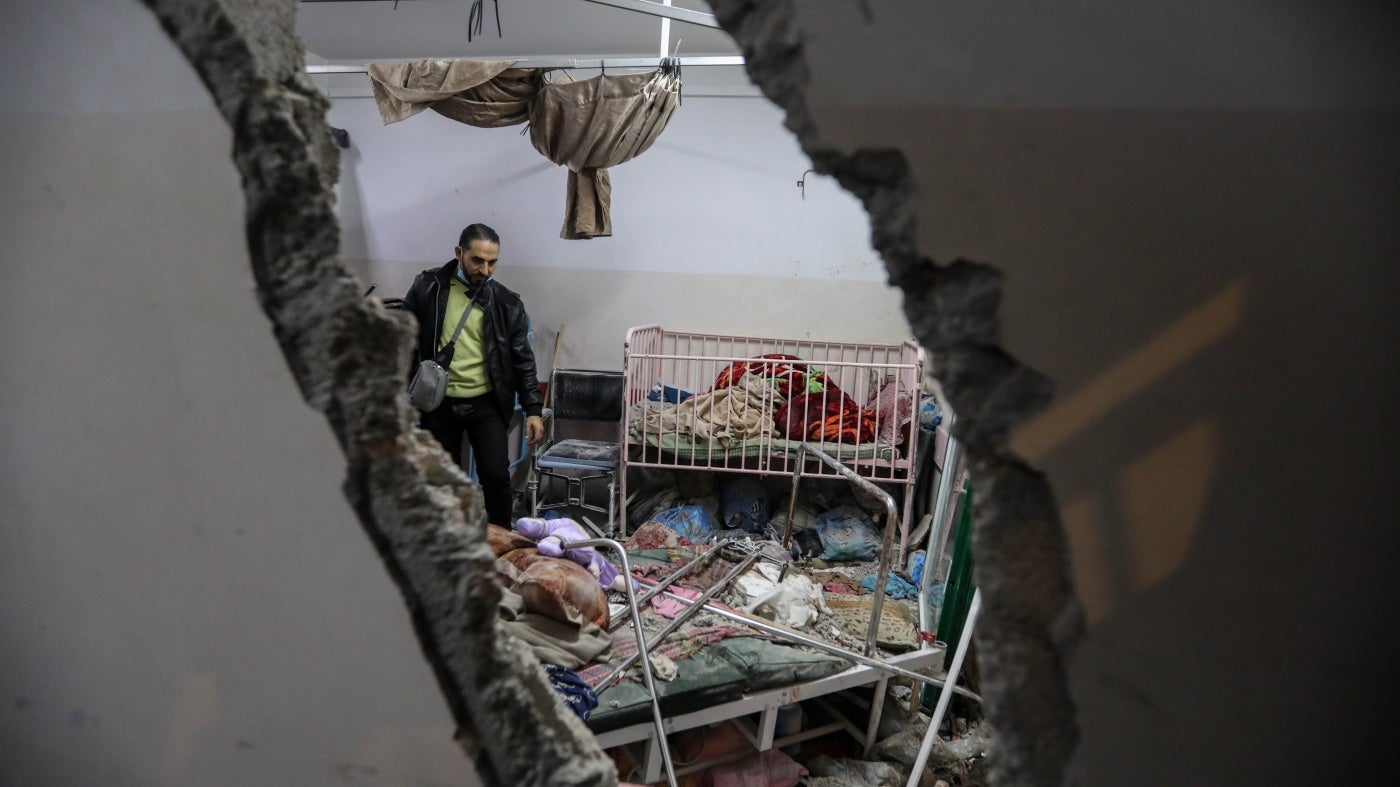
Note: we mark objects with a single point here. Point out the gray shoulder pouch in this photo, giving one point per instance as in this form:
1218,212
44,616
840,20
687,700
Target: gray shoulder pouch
429,384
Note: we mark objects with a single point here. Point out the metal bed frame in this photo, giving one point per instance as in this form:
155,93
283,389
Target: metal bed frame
766,704
692,361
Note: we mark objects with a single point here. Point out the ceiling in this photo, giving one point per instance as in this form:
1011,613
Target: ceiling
356,31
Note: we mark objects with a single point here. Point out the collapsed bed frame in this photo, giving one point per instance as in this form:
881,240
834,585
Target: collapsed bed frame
660,363
756,712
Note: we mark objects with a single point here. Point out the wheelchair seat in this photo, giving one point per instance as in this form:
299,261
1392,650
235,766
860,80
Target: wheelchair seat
576,454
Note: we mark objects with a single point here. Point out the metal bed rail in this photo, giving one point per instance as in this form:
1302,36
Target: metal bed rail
766,704
868,374
887,542
635,611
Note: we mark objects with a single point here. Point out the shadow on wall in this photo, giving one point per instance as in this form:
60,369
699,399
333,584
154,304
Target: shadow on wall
1216,295
1159,496
354,238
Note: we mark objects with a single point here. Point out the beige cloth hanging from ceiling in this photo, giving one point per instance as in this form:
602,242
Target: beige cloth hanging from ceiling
482,93
586,126
594,124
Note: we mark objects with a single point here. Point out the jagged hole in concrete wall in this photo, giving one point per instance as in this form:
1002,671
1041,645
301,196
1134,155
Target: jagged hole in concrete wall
348,357
1030,617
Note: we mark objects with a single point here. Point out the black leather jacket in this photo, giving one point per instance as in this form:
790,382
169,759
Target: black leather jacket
505,332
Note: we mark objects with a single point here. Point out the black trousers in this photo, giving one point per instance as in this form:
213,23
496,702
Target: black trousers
480,417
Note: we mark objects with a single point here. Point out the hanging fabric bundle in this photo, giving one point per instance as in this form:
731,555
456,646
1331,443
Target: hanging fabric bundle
586,126
594,124
481,93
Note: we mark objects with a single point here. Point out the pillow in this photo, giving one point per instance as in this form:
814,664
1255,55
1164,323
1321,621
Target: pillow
503,541
554,587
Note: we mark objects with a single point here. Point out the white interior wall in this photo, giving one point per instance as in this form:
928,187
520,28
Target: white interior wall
710,230
185,597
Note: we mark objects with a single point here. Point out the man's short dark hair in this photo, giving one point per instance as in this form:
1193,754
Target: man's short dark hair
478,232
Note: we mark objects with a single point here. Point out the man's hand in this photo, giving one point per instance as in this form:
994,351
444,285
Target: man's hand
534,429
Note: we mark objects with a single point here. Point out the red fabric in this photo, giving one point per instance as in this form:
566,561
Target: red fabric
830,415
840,587
790,377
654,535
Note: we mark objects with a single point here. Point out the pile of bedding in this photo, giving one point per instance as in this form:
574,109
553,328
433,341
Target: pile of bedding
564,605
775,400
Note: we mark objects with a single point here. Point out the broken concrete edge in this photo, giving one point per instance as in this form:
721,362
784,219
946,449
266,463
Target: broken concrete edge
348,357
1030,619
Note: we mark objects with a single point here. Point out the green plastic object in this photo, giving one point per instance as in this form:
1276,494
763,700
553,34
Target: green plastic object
957,592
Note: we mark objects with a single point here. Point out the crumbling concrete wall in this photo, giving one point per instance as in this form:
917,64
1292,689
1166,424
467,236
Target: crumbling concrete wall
348,357
1030,618
426,520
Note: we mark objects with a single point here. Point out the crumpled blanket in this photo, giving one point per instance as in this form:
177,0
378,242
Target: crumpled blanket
739,412
895,586
894,409
830,415
552,641
654,535
778,371
701,577
576,694
667,607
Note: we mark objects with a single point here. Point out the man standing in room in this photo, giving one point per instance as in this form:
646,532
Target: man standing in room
491,365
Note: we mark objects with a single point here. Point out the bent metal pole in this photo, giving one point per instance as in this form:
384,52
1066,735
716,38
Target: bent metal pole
666,581
822,645
608,543
644,647
926,747
877,604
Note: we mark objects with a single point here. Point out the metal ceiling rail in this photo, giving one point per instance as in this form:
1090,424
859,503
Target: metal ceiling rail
657,9
640,6
572,62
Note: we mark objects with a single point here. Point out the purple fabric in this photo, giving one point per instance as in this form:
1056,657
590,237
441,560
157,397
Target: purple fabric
550,534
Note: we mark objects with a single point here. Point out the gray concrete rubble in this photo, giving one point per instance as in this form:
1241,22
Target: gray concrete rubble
349,358
960,761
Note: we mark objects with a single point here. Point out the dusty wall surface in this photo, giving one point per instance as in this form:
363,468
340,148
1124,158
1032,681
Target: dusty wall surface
1187,204
185,595
162,523
423,516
